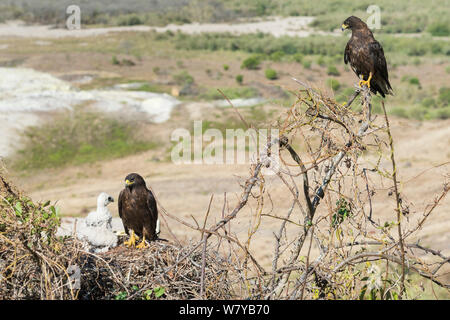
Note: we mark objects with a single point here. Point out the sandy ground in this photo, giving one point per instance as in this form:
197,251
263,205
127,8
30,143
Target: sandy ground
276,26
292,26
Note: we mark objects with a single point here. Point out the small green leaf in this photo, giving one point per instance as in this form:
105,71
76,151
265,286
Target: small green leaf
18,209
363,292
159,291
148,294
121,295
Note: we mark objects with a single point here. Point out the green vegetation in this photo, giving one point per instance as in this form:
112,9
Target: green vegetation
444,96
343,211
271,74
149,87
321,61
277,56
115,61
123,62
414,81
239,78
413,97
183,78
76,138
41,218
263,46
333,71
334,84
306,64
439,28
231,93
298,57
397,16
251,62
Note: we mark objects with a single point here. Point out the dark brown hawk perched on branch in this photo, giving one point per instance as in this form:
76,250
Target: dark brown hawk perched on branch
138,211
366,57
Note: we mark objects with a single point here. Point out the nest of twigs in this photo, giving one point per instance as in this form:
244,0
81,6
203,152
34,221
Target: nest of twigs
35,264
156,272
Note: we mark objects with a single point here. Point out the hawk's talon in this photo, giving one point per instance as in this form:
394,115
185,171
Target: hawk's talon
132,241
143,244
365,82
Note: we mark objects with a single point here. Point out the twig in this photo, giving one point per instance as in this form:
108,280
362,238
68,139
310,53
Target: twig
397,198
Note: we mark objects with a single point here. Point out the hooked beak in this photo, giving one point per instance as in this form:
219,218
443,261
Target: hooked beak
343,27
128,183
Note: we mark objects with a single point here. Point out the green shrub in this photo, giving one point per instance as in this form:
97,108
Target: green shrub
298,57
271,74
333,71
439,29
399,112
277,56
418,49
306,64
226,67
428,102
78,137
417,113
334,84
442,113
115,61
321,61
444,96
414,81
251,62
183,78
239,78
130,20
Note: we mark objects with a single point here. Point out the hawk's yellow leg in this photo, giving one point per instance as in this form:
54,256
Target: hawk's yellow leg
132,241
366,82
142,245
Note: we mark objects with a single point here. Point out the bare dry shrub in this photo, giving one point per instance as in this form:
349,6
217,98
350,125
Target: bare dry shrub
343,158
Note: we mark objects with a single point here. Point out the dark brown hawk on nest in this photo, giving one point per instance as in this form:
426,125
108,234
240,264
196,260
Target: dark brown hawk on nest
138,211
366,57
